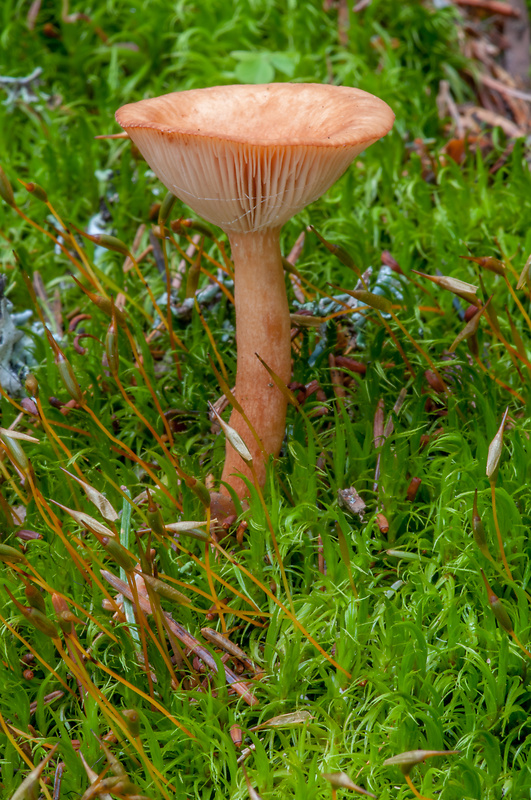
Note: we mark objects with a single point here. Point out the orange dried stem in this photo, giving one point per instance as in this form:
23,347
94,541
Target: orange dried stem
273,539
165,318
150,428
169,317
35,653
160,647
498,532
52,437
132,456
52,521
184,255
520,645
281,605
9,478
498,381
227,266
150,388
110,712
517,301
90,274
144,696
415,792
161,641
6,728
225,584
214,279
212,341
12,401
422,352
510,348
58,243
399,347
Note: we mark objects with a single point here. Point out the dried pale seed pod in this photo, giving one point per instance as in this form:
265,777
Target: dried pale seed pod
460,288
233,437
34,597
166,590
185,529
65,371
36,190
123,558
88,522
200,491
470,330
340,780
96,497
495,450
497,608
373,300
487,262
15,451
501,614
41,622
11,554
154,517
406,761
287,720
110,243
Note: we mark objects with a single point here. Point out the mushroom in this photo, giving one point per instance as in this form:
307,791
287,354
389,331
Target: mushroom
247,158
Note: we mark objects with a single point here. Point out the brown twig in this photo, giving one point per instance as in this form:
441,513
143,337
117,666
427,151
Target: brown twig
494,6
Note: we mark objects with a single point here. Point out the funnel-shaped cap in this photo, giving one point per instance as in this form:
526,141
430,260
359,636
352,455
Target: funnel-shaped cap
248,158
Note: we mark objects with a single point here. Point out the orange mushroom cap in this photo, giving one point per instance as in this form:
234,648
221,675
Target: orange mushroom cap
248,158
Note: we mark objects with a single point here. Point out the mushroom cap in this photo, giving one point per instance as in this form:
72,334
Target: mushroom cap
248,158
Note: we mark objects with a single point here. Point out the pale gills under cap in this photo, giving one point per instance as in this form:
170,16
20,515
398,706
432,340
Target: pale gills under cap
248,158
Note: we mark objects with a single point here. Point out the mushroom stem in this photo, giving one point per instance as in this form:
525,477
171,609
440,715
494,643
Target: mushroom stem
262,326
